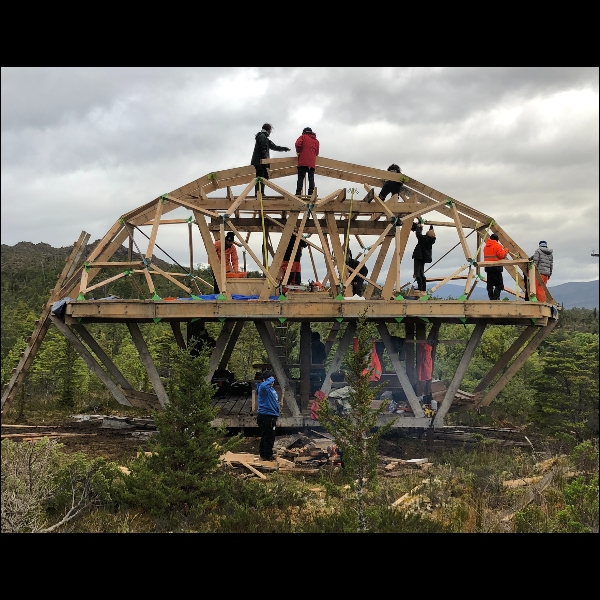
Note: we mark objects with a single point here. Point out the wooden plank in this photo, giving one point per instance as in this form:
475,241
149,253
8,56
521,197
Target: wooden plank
328,198
400,371
296,202
297,239
445,280
171,278
461,234
233,338
117,265
327,253
154,232
338,251
192,207
105,282
459,374
383,250
251,468
110,385
215,357
209,245
345,176
239,199
176,328
146,358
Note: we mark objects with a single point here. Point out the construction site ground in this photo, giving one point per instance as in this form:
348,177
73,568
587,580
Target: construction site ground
119,439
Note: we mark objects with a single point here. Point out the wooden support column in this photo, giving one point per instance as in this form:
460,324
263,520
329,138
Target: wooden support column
215,357
421,331
336,363
89,360
235,334
153,375
459,374
288,396
305,362
505,358
409,351
400,372
176,327
517,364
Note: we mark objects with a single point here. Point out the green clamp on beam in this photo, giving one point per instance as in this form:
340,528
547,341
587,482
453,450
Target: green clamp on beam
211,176
163,199
449,202
424,319
424,298
189,220
282,297
282,319
156,297
121,220
128,272
197,298
399,297
221,297
259,180
86,266
399,319
81,297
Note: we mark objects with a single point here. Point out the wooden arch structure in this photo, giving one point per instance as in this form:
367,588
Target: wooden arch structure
269,303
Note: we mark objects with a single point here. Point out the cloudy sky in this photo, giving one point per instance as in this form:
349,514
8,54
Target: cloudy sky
81,146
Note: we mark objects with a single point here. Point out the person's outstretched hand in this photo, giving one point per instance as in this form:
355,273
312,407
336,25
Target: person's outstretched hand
286,149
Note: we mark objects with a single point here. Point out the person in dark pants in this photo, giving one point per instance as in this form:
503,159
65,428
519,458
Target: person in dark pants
358,283
391,187
318,356
307,149
492,252
267,414
296,272
262,145
422,254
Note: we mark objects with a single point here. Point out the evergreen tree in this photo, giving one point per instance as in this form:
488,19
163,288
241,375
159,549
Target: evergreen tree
187,447
356,433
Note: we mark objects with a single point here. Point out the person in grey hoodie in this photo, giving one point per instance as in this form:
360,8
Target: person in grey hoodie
262,145
543,259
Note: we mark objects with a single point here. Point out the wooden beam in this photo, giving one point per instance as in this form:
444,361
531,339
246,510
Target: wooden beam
154,232
110,385
383,250
235,334
459,374
400,371
176,328
305,364
215,357
240,199
209,245
146,358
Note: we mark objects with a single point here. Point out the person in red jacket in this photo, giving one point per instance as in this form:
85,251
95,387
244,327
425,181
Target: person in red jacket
493,251
307,149
231,257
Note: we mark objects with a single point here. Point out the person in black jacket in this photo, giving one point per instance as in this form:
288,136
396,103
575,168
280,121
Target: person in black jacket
358,283
391,187
262,146
422,253
296,271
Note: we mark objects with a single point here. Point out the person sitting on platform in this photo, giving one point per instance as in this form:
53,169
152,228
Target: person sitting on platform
231,257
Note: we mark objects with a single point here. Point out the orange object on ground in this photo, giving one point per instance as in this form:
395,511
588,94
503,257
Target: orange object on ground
540,294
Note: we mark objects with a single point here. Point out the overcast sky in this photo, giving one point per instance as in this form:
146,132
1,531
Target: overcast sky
82,146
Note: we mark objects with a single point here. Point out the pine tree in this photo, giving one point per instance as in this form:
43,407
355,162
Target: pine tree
187,448
356,433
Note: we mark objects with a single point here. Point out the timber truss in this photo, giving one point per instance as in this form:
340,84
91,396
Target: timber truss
327,224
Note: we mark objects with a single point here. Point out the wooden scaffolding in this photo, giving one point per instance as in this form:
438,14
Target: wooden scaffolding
326,224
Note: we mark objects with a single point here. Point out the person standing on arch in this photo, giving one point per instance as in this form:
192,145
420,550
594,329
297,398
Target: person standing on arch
422,254
492,252
543,259
262,145
307,149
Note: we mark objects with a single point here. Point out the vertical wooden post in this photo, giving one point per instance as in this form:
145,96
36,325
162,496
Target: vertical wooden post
305,362
410,351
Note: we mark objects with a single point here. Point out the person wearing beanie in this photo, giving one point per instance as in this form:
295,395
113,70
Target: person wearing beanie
543,259
492,252
391,187
262,145
231,257
422,254
307,150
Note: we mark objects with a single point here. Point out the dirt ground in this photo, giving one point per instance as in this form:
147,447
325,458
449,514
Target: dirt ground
120,445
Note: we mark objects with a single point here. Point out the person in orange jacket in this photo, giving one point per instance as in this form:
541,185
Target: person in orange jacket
231,257
493,251
307,149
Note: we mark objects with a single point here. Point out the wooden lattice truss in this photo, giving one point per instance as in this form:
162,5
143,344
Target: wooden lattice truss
330,221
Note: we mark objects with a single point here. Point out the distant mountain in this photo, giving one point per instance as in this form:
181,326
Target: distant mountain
577,294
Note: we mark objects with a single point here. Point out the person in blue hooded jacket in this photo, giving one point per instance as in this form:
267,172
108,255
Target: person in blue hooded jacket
267,414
